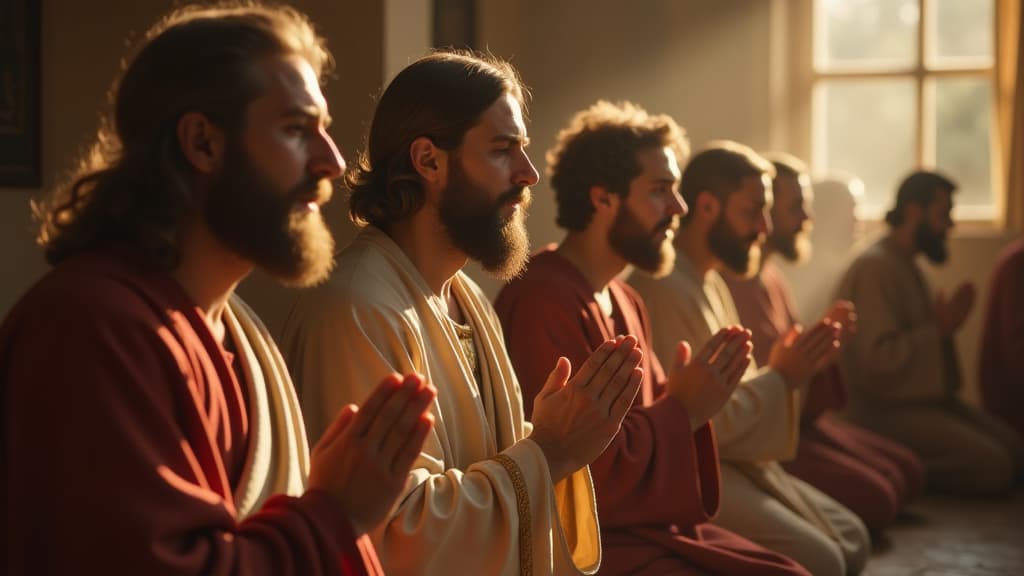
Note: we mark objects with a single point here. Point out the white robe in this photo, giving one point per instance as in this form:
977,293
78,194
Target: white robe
479,499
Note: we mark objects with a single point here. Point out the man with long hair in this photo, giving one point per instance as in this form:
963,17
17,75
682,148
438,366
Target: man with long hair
901,366
445,178
615,172
150,426
728,189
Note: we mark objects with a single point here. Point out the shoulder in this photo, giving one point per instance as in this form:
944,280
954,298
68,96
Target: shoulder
549,282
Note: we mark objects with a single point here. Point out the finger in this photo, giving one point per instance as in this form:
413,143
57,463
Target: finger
791,335
604,372
380,393
391,411
711,348
594,363
734,375
607,390
556,379
683,353
337,428
728,354
624,400
408,452
405,423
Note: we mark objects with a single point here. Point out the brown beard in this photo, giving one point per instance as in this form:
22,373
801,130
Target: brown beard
793,248
263,224
500,244
732,250
638,246
931,244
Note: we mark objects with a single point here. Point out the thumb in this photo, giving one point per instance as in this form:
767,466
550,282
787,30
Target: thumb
683,353
792,334
557,378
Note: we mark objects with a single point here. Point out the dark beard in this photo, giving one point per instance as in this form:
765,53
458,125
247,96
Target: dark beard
261,224
728,247
793,248
501,245
931,244
638,246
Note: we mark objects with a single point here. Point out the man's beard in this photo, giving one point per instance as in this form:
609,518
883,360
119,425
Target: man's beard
931,244
641,247
476,226
741,255
268,226
794,247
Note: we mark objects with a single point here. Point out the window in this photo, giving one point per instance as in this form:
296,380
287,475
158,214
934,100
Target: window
898,84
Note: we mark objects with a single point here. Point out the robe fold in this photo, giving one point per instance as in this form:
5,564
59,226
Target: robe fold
479,499
870,475
903,379
758,427
657,482
1001,361
131,446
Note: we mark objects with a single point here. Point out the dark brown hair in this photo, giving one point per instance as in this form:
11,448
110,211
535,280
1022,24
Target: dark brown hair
440,96
918,188
599,148
133,185
719,168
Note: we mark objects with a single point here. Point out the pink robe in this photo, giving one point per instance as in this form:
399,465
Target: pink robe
126,434
657,482
872,476
1001,364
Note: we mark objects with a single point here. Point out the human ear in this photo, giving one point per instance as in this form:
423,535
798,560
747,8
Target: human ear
201,142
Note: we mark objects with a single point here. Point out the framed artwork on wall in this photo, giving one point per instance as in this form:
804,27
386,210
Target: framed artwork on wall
20,125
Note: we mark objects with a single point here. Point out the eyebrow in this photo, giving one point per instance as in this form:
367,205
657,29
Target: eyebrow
523,141
309,113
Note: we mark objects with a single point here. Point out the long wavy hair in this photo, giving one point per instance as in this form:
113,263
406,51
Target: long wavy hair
133,185
440,96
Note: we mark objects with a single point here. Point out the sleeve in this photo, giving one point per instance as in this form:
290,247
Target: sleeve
109,467
648,474
885,347
447,520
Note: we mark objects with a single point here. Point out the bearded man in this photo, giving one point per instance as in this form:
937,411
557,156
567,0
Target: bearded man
872,476
444,179
615,172
901,365
728,189
149,424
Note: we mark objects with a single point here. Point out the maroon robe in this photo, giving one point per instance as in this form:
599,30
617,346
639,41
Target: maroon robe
1001,361
872,476
124,435
657,482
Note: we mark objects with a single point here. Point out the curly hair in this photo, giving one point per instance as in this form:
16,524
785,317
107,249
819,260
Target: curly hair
132,185
440,96
599,148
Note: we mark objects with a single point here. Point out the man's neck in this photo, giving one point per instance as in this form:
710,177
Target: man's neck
209,273
591,254
425,242
902,239
692,242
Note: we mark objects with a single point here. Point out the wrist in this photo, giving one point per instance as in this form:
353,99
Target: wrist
558,467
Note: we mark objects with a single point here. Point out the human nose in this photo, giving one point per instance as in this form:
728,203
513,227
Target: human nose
678,205
327,161
527,174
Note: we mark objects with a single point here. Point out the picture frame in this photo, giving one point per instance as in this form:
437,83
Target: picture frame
20,90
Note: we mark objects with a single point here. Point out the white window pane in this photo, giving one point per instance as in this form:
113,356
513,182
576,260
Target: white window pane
865,34
960,33
866,128
962,147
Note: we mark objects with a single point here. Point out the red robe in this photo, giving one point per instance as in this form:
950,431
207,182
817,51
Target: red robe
1001,363
657,482
871,475
124,436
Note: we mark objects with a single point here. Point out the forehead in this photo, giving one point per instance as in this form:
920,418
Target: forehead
752,190
504,118
658,163
290,85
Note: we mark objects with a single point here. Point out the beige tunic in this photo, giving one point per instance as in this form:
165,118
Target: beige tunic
756,428
479,499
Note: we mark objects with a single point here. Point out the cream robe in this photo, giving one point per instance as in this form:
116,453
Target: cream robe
479,499
757,427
